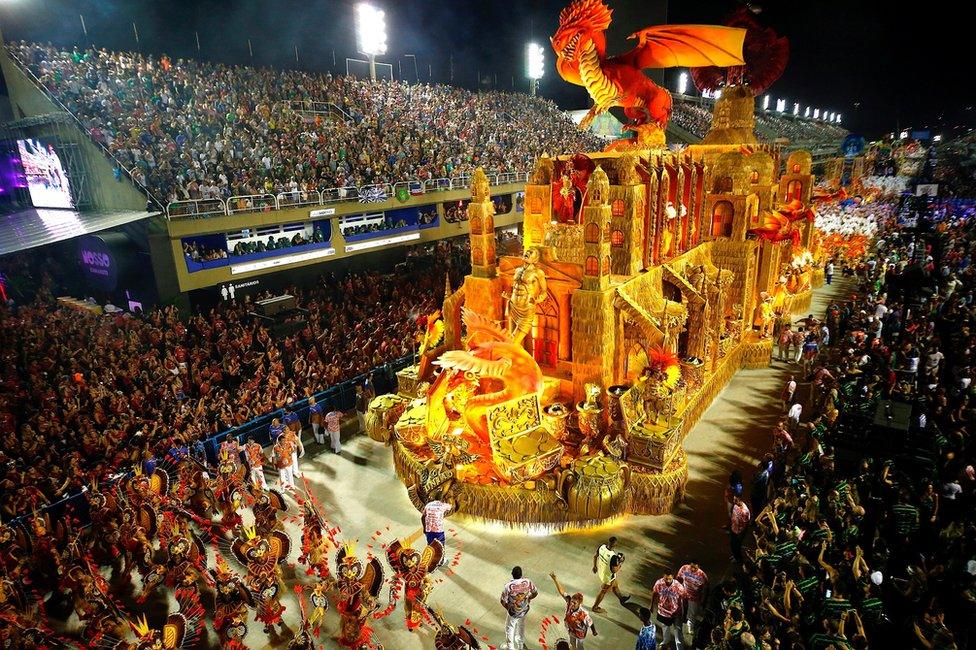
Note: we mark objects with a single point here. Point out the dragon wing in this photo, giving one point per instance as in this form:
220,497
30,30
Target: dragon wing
687,46
467,362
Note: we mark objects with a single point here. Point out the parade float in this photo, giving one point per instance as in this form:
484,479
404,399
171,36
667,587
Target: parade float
554,390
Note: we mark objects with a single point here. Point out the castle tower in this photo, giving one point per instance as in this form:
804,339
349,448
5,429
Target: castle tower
627,216
596,232
733,118
592,304
481,213
483,289
538,204
796,184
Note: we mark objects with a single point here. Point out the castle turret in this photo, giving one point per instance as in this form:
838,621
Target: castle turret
483,289
592,304
481,213
596,232
538,204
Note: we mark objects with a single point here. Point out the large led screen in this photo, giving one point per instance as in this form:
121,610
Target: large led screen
47,181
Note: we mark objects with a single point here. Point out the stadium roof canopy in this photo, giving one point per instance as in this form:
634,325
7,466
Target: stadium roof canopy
33,227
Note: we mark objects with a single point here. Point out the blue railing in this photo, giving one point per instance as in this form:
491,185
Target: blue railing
341,397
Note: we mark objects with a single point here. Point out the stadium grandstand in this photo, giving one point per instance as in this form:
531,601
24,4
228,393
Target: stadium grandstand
300,359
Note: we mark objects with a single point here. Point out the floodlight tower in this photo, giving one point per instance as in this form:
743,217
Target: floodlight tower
682,83
535,65
371,34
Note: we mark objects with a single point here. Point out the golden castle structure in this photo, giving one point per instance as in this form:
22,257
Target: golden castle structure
561,384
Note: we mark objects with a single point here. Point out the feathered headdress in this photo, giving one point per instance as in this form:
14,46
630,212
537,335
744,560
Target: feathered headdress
660,359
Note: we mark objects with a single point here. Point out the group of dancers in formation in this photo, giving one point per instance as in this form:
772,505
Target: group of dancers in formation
187,529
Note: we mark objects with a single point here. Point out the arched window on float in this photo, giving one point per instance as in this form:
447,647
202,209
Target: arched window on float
535,205
754,177
606,265
722,214
796,168
475,226
592,265
592,233
617,238
617,208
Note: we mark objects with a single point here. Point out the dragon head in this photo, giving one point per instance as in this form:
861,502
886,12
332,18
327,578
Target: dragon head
581,23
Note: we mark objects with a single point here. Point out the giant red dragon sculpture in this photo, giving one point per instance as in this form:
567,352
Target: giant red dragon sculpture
581,58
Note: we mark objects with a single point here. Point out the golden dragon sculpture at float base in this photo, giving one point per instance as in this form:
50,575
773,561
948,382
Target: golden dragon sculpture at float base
580,45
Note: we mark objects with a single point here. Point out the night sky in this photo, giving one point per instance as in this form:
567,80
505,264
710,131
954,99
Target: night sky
855,57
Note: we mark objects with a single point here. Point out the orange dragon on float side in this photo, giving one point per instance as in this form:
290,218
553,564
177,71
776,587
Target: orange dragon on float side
581,58
779,224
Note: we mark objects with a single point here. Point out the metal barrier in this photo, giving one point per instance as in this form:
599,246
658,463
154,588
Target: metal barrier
252,203
412,187
381,188
326,196
339,194
341,397
437,185
196,208
294,199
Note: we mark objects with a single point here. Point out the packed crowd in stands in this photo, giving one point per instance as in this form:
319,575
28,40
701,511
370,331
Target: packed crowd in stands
377,226
858,530
694,118
426,216
129,388
456,212
770,126
192,129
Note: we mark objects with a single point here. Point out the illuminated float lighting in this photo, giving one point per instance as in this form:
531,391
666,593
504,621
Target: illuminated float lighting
281,261
936,138
903,135
386,241
501,528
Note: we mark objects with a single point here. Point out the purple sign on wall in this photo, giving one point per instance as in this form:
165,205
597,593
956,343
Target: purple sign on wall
97,263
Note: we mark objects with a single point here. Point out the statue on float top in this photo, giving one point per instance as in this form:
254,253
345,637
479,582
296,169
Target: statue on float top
529,290
581,58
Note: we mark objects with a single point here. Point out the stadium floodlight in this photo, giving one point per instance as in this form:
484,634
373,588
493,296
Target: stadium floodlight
816,113
780,105
766,103
903,135
796,109
838,118
682,83
535,64
806,113
936,138
370,34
